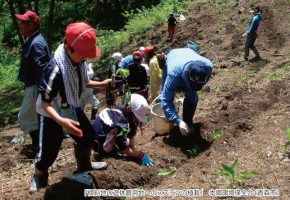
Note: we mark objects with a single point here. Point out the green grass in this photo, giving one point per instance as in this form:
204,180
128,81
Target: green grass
277,74
244,80
10,88
10,103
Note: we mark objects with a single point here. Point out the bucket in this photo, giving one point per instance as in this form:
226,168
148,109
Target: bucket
160,124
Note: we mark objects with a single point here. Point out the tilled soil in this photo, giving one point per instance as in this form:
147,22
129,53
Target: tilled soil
247,101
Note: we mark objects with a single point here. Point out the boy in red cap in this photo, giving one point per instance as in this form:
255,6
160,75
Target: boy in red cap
58,104
34,57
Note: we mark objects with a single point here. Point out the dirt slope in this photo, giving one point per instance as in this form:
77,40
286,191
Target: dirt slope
247,101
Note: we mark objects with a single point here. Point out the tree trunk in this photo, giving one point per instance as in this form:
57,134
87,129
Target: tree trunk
12,12
21,7
36,2
50,23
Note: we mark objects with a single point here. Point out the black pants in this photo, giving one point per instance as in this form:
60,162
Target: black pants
250,44
51,136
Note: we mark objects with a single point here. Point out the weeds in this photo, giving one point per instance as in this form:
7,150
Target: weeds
217,90
216,134
166,171
201,96
243,81
236,179
278,74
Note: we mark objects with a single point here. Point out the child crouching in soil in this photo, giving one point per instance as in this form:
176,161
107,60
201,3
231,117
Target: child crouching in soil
115,128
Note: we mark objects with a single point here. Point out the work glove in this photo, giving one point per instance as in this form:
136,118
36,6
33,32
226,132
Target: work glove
245,34
146,161
184,130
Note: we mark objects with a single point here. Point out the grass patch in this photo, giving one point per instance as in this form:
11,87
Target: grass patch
244,80
10,88
277,74
10,104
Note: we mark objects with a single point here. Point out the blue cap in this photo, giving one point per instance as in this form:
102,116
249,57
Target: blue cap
197,72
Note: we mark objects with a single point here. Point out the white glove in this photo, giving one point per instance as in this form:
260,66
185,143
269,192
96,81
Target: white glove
183,128
245,34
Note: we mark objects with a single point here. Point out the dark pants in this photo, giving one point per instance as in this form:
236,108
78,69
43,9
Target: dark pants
251,38
51,136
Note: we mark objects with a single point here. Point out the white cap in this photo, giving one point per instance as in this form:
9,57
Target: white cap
117,56
142,49
139,107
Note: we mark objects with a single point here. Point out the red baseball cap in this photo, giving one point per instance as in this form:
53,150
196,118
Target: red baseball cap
137,54
82,38
148,49
29,16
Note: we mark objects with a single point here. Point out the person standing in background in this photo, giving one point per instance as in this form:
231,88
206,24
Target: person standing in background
34,57
171,26
254,28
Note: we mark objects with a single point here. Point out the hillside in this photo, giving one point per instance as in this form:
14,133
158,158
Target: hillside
247,101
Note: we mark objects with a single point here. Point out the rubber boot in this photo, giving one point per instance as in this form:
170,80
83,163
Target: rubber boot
34,147
246,54
34,135
83,158
39,180
187,114
256,52
94,113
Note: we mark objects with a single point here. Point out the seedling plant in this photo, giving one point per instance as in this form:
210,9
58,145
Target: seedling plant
236,179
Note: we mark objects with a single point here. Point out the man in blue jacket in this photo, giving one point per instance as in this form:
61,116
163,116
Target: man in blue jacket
34,57
186,71
251,33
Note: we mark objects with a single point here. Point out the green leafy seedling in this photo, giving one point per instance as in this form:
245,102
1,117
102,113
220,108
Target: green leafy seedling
286,66
235,178
201,95
216,134
287,143
166,171
217,90
193,152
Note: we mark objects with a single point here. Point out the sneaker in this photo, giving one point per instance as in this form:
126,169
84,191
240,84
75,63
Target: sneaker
38,181
256,58
99,165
